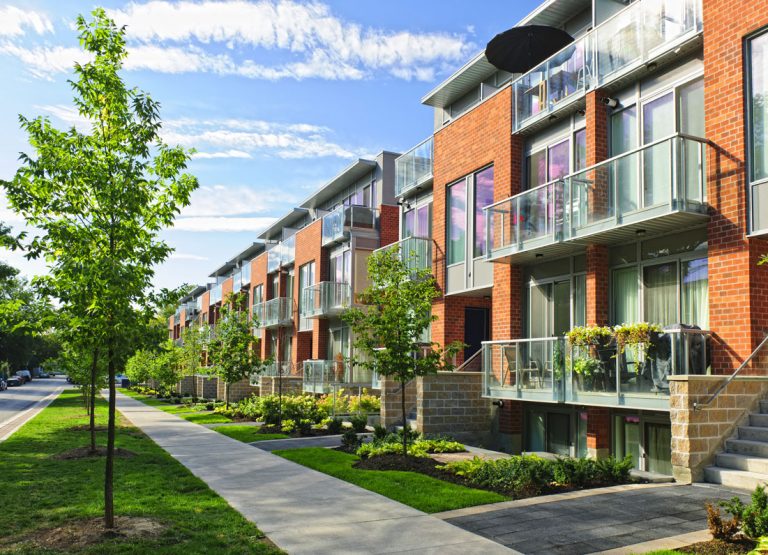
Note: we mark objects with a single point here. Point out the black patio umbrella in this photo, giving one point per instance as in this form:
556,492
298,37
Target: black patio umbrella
521,48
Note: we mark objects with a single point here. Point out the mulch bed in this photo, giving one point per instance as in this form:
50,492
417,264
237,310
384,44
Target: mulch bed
80,534
720,547
85,453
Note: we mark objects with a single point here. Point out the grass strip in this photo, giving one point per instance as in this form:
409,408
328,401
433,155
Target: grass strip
46,493
247,434
410,488
182,411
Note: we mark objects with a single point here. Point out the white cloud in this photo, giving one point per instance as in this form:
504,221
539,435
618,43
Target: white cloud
186,256
208,224
222,154
14,21
42,62
67,114
223,200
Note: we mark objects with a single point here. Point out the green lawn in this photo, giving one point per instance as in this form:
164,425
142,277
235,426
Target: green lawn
247,434
411,488
41,492
182,411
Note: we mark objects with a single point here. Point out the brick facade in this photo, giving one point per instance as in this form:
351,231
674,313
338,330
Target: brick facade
389,224
451,402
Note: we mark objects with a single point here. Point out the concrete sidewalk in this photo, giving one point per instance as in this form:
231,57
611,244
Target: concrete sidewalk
301,510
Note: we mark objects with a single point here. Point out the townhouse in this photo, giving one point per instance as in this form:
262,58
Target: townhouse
621,180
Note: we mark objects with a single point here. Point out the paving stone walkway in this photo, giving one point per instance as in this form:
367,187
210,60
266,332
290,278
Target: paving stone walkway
593,522
301,510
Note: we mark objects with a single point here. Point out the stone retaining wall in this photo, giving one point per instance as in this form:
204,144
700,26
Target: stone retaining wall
698,435
237,391
391,411
185,386
207,386
270,385
451,402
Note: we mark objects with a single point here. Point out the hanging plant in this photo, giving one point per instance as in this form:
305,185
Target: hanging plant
639,335
581,336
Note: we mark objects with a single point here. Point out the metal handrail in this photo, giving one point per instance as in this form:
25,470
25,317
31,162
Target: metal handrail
470,359
723,385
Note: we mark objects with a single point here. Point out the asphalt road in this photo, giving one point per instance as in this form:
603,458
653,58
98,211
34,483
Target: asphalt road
16,400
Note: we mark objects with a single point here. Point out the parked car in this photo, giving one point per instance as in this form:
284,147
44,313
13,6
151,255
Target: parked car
25,375
14,381
3,384
43,375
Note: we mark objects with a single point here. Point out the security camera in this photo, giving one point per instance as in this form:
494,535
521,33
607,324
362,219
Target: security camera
610,102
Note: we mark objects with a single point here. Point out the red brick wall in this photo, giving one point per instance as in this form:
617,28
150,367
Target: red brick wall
738,303
310,345
226,288
259,277
449,325
511,417
598,428
389,224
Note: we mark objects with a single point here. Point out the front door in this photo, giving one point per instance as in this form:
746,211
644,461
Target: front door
476,329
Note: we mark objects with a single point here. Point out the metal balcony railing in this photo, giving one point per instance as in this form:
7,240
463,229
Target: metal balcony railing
245,275
325,299
215,295
320,376
637,35
277,312
663,182
414,168
257,315
415,252
338,224
281,254
547,369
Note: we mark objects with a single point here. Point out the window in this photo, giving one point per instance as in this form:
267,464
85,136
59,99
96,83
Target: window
341,266
258,295
580,150
417,222
757,79
306,278
553,162
457,221
275,286
483,197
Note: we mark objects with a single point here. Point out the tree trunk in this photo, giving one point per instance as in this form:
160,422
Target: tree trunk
94,364
226,394
109,509
194,384
405,419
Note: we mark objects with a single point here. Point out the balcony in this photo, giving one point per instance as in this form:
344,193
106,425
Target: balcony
656,188
215,295
415,252
277,312
547,370
414,168
257,315
325,299
338,224
610,55
282,254
245,275
323,376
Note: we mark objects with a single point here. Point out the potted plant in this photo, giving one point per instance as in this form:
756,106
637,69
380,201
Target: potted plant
585,342
585,368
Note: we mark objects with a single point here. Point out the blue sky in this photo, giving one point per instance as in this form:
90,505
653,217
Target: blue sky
276,96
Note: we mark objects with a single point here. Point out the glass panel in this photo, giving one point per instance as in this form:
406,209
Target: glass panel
483,197
758,80
623,254
536,168
623,139
424,221
625,296
581,434
562,307
658,122
579,300
580,150
457,221
627,438
691,112
687,241
660,293
760,207
659,448
695,293
539,310
558,433
558,165
409,227
618,41
536,429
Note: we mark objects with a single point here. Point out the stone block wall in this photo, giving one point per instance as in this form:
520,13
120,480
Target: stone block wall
237,391
185,386
391,411
451,402
698,435
270,385
207,386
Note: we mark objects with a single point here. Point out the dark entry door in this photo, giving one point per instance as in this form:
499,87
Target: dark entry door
476,329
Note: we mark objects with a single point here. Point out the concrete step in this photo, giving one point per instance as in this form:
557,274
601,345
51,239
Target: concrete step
742,462
739,479
747,447
764,407
757,419
754,433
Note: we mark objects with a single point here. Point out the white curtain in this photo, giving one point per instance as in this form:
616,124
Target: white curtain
660,293
695,292
625,296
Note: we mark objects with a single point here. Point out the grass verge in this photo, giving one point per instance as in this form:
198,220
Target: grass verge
248,434
182,411
46,493
410,488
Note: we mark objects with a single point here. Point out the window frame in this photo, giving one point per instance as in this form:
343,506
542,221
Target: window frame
751,183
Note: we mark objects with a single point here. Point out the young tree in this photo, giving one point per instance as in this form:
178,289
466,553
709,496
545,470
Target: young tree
99,199
387,329
194,341
233,348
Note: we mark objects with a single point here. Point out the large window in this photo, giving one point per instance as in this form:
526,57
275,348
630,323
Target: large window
549,164
417,222
757,56
457,221
341,266
306,278
483,197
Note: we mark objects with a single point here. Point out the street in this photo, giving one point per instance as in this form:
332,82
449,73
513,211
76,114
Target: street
16,400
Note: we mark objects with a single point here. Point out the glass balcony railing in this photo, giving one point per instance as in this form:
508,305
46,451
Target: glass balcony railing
199,303
245,275
635,36
325,299
277,312
547,369
257,315
320,376
215,294
414,167
415,252
281,254
338,223
236,279
664,181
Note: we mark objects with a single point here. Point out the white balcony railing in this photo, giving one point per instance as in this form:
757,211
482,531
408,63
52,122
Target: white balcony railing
414,168
325,299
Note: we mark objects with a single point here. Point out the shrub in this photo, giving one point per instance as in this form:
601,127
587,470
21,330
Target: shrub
209,406
379,432
419,448
364,403
350,441
359,423
295,407
753,518
334,425
289,426
304,426
326,403
721,529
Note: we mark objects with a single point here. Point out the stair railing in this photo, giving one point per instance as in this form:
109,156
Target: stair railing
697,406
464,365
